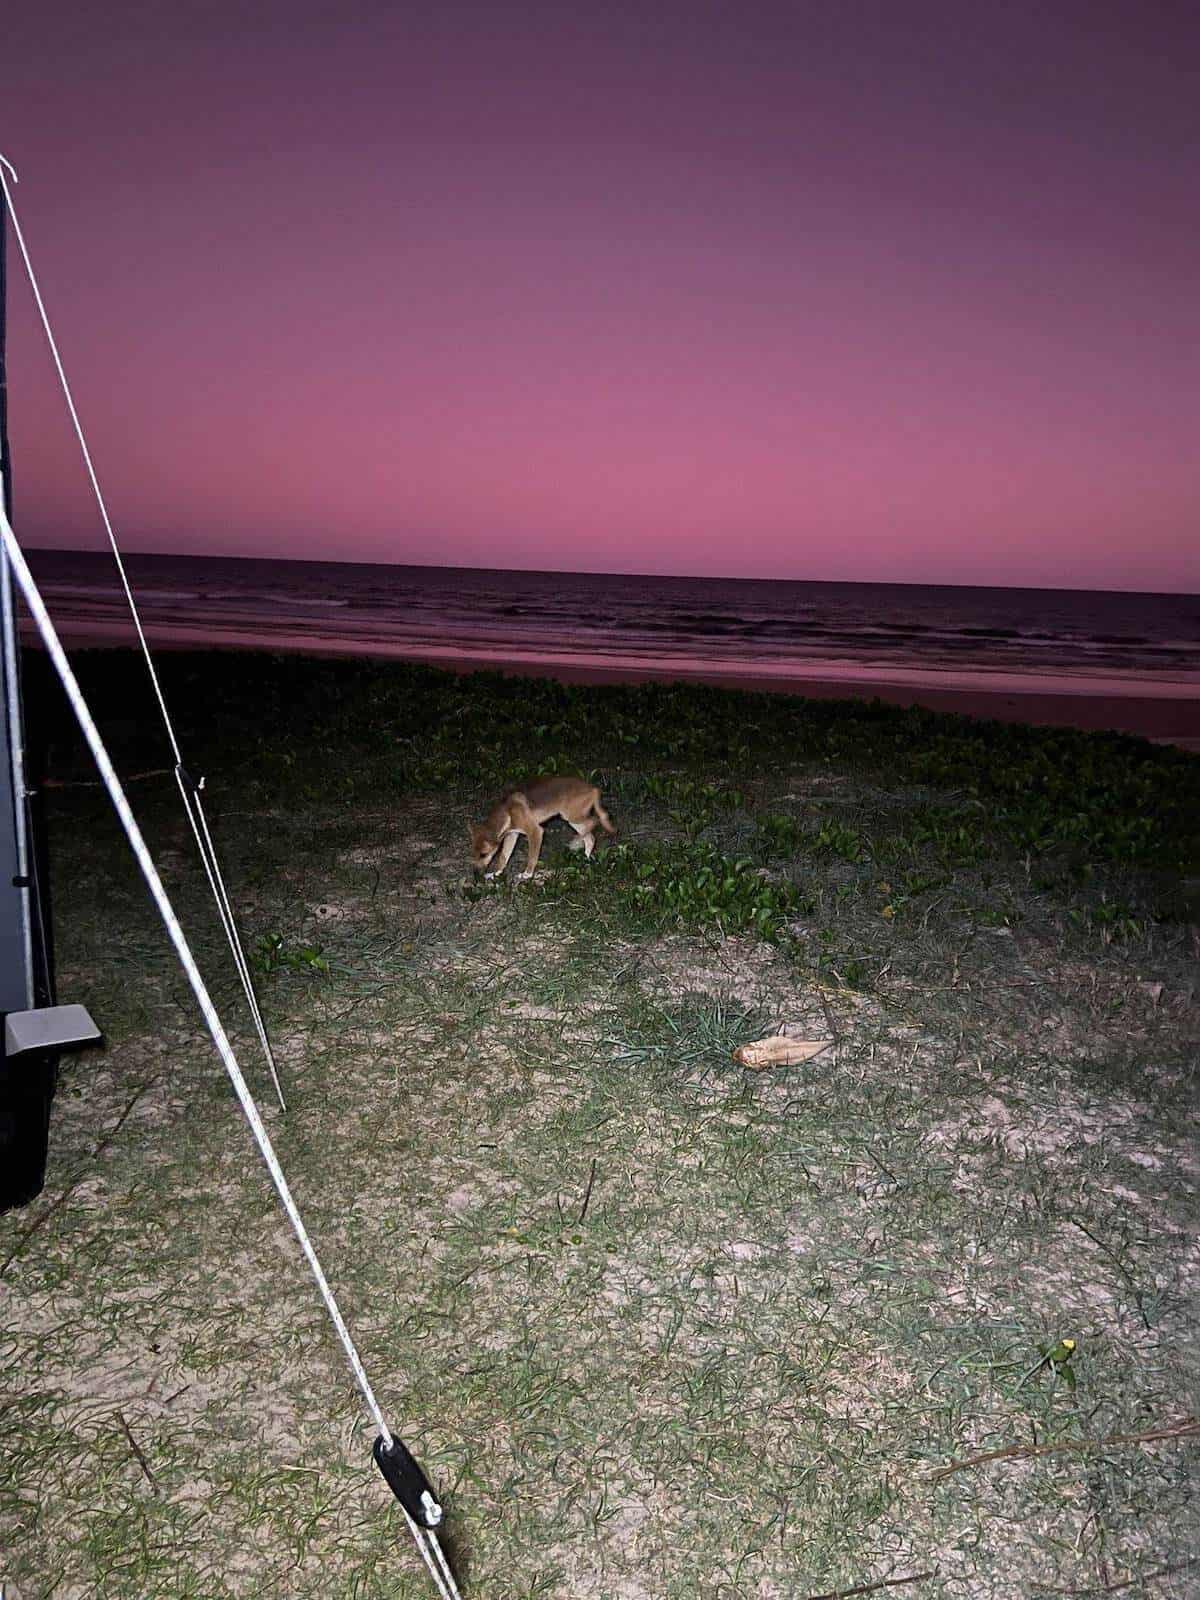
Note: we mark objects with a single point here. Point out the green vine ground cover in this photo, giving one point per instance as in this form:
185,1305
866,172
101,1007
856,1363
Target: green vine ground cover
658,1327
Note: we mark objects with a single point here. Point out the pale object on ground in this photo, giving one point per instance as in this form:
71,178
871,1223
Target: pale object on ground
778,1051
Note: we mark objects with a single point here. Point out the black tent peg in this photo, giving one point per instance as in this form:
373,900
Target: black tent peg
407,1482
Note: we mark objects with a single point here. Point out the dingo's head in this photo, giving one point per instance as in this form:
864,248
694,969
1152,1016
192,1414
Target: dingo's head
483,846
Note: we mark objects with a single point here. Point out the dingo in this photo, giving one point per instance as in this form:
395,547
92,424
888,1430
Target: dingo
522,811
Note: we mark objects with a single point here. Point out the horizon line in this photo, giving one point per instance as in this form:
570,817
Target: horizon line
580,572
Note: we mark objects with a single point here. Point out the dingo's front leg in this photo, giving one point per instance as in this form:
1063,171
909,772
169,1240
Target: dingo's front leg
506,850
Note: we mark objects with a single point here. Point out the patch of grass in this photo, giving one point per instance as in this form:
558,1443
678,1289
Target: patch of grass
693,806
1110,920
687,885
274,951
951,836
784,837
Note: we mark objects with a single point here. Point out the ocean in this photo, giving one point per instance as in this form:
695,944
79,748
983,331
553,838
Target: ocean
766,633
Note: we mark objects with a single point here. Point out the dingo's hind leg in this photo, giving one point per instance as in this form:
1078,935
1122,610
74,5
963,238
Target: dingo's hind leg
534,835
585,840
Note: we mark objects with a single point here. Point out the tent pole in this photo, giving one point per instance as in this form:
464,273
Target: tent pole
33,1029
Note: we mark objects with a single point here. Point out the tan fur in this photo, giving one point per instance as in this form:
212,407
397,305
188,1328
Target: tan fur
522,811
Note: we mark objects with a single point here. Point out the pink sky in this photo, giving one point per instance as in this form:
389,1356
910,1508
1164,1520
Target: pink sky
872,292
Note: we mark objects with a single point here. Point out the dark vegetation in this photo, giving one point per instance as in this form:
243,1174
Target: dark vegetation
1083,808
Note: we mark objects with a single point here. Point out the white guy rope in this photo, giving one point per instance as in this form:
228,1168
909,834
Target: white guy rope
439,1567
5,168
192,804
429,1545
208,857
133,833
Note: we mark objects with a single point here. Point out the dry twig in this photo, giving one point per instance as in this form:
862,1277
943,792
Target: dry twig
137,1450
870,1588
1188,1428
